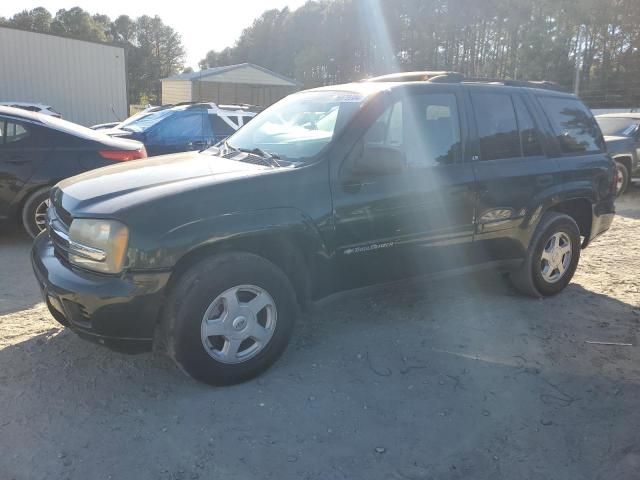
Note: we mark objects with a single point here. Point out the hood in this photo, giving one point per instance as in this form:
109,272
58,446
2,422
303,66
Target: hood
616,139
110,189
619,144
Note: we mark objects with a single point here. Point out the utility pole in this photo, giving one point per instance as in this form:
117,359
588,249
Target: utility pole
576,84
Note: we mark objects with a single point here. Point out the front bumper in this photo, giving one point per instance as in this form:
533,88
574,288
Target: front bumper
120,312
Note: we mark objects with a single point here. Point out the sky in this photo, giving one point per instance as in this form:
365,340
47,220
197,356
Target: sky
203,25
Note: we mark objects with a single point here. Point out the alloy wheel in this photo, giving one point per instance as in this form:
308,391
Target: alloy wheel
556,257
40,215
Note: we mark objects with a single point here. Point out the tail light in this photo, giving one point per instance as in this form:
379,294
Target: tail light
123,155
614,182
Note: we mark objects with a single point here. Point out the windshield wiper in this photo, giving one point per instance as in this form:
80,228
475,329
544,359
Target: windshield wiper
269,159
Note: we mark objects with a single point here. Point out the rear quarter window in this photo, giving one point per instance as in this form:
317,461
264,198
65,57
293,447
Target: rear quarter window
573,124
219,126
11,132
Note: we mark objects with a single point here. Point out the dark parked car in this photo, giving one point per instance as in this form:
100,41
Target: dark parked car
183,128
209,256
37,151
622,136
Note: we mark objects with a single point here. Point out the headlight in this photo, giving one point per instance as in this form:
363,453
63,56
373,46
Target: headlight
99,245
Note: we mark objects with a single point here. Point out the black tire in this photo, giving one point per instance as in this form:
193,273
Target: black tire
194,292
623,174
529,278
31,205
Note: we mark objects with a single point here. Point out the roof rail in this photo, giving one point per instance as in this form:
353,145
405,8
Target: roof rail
544,84
421,76
456,77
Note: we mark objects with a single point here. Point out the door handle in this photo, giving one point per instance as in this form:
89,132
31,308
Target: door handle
196,144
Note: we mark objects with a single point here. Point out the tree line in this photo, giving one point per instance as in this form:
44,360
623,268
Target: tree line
335,41
153,50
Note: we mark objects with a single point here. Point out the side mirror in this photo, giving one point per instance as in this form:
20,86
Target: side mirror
379,161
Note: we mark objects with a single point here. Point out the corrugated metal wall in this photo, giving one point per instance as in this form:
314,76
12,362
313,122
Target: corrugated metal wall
248,75
176,91
262,95
84,81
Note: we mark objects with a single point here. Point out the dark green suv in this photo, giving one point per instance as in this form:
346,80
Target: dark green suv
210,256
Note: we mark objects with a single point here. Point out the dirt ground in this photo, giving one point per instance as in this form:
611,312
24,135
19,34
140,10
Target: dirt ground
455,379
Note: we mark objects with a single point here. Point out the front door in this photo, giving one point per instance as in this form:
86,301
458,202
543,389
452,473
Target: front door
404,197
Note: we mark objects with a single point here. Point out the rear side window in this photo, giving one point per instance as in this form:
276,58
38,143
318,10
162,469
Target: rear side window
573,125
219,126
528,133
247,118
497,125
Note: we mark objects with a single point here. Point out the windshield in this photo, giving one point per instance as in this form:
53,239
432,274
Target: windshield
618,126
145,121
298,127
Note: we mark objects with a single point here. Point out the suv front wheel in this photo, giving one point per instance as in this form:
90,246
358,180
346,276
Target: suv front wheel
552,257
229,318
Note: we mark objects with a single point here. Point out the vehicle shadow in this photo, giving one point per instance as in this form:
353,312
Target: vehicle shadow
628,205
18,289
401,382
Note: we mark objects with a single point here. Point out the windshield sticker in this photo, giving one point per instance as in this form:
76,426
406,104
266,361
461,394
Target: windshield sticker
347,97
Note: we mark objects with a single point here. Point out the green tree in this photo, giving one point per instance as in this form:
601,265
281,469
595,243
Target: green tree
39,19
153,50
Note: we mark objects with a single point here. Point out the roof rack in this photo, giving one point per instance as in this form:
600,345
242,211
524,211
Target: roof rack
455,77
422,76
234,106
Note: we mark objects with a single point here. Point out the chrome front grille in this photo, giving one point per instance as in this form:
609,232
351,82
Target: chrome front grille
58,231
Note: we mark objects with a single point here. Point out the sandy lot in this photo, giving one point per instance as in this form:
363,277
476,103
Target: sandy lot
453,379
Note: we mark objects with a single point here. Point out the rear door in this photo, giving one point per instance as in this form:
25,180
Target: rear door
513,168
418,217
21,152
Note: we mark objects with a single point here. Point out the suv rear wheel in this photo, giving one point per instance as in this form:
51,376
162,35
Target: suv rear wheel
229,318
34,212
552,257
623,178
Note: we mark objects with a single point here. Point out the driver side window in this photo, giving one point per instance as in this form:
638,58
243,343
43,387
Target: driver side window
415,132
387,131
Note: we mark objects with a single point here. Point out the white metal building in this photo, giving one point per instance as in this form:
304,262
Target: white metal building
85,81
233,84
